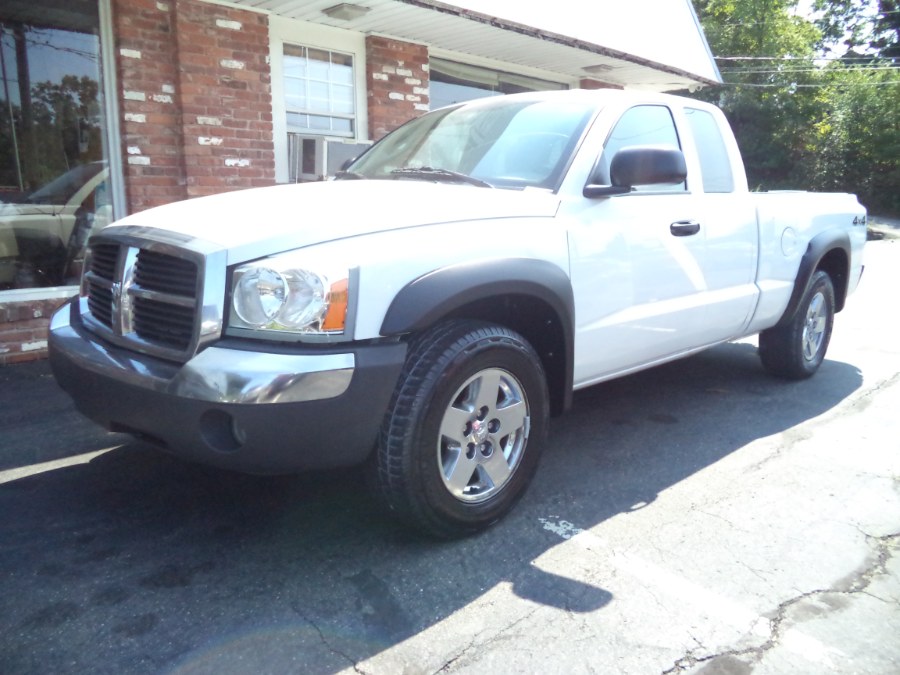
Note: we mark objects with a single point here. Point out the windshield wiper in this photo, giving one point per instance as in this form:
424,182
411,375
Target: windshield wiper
438,175
349,175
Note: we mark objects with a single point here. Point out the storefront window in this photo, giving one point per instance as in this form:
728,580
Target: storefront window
54,176
453,82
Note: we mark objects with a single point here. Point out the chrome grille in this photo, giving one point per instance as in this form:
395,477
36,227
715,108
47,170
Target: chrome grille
144,298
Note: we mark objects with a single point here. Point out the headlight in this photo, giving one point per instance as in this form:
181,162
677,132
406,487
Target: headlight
273,294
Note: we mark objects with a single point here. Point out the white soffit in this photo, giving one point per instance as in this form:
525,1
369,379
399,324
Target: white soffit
653,44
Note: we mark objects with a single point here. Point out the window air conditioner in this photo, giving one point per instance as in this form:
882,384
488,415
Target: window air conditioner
313,158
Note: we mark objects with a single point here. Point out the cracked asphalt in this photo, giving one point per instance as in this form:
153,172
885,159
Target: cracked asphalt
701,517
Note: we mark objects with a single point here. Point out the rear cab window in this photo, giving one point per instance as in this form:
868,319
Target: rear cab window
715,164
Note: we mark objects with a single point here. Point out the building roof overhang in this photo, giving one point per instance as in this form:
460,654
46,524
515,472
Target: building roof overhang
665,51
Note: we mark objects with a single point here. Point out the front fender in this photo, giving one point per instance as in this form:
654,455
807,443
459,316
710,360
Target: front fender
533,284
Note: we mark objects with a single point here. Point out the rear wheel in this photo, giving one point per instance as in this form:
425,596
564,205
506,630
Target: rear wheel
796,350
463,436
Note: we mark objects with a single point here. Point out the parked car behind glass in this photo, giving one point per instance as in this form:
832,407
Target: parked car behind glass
42,236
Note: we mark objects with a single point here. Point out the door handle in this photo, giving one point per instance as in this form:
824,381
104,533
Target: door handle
684,228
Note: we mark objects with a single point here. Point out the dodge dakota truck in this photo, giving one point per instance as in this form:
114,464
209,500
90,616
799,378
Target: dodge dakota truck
426,312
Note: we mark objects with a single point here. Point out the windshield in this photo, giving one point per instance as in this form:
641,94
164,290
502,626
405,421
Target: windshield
505,142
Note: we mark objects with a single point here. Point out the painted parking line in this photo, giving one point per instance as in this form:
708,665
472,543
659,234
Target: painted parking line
33,469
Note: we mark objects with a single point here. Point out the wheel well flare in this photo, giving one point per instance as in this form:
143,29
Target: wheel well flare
532,297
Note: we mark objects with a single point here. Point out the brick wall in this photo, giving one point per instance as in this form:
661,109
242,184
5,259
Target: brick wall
147,59
226,98
23,329
397,83
195,95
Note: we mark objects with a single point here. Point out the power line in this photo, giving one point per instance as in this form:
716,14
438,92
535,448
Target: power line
796,58
787,71
810,86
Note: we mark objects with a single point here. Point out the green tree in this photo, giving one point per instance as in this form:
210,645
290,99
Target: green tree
886,40
765,54
857,28
857,142
801,124
66,117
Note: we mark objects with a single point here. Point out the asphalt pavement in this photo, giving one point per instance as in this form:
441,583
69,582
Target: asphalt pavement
701,517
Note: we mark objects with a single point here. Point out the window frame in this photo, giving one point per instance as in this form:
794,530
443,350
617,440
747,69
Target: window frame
112,142
311,111
298,33
603,162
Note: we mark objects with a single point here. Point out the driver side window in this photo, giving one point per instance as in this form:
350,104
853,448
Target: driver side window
641,125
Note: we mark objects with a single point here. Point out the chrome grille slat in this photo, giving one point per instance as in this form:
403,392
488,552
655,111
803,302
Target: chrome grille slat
104,258
156,321
100,304
164,273
168,298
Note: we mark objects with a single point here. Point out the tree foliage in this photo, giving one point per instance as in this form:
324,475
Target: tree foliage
804,121
64,130
857,141
851,27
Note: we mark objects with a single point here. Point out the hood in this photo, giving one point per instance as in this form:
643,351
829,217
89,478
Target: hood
292,216
18,210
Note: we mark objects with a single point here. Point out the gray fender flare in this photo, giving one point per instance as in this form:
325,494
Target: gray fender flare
820,245
441,293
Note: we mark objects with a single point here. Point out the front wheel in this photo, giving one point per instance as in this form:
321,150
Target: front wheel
796,350
462,438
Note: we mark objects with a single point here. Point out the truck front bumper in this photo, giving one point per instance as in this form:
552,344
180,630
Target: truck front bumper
284,409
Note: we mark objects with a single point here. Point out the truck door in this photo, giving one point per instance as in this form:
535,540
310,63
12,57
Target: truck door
639,264
729,221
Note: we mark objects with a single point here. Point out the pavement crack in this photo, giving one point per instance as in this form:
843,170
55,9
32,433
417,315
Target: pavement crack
884,548
459,656
474,644
331,648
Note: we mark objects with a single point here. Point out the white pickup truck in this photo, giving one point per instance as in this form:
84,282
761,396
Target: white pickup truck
427,312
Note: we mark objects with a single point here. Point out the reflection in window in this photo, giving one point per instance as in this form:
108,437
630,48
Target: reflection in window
513,143
53,174
715,162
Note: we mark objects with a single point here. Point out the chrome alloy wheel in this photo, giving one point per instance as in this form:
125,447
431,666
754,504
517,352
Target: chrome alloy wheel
483,435
815,326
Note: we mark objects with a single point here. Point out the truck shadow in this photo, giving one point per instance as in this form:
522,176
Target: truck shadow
167,566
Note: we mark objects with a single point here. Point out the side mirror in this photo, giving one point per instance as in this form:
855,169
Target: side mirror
641,165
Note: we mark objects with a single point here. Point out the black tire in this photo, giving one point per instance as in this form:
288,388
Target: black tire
450,460
796,350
